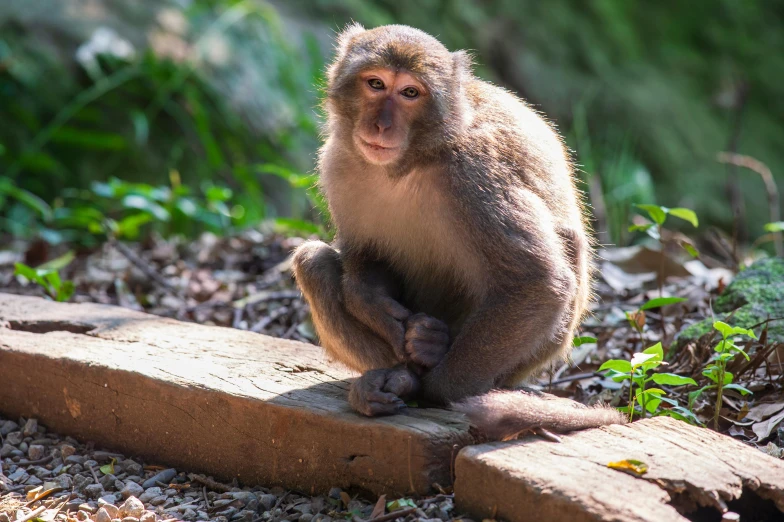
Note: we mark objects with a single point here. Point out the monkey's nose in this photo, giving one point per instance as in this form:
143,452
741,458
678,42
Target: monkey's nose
383,124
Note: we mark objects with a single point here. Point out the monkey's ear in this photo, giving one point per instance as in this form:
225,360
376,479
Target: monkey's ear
345,36
462,63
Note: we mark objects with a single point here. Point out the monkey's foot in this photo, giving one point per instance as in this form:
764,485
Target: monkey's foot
382,392
427,340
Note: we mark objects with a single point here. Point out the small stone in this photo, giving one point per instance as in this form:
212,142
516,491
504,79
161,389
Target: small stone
150,494
267,501
157,501
89,464
34,481
133,507
23,447
74,459
246,515
131,489
202,515
17,453
189,514
130,519
6,450
147,516
18,476
30,427
107,500
220,518
102,516
14,438
107,481
35,451
243,496
64,481
305,517
131,467
164,477
89,507
8,427
83,515
66,450
93,490
113,510
80,482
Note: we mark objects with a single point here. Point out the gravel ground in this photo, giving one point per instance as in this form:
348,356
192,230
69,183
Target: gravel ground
48,477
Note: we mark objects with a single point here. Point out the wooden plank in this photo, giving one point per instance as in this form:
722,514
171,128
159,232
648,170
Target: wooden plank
694,474
211,399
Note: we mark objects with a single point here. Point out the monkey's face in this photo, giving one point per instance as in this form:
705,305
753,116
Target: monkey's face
390,102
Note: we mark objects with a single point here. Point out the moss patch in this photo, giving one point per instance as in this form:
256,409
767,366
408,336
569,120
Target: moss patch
756,294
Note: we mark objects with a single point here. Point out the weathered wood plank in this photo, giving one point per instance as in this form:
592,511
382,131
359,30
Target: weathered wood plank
211,399
692,471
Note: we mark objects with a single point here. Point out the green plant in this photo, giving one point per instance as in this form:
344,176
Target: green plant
659,215
47,275
637,318
638,373
716,371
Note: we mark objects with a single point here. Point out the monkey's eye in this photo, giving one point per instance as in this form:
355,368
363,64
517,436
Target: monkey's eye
410,92
376,84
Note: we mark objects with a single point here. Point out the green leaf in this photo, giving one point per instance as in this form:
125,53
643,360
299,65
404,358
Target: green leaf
401,503
25,271
640,358
738,387
641,228
58,263
128,227
147,205
108,469
619,365
777,226
738,349
66,291
89,139
661,301
680,413
671,379
691,249
579,341
685,214
297,225
727,330
656,212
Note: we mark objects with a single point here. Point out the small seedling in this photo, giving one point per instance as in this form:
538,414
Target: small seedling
716,371
636,373
659,215
47,275
637,318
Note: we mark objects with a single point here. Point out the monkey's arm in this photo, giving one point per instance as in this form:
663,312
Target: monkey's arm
370,294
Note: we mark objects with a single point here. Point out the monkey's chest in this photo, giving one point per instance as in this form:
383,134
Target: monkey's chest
412,226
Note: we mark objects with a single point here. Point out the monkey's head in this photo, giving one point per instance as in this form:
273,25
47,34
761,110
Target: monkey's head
395,92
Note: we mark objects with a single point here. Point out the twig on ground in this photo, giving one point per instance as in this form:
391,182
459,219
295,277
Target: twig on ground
142,265
210,483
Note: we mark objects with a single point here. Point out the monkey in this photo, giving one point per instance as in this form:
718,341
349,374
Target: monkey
460,265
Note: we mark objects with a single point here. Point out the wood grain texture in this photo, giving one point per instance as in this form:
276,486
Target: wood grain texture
218,400
690,470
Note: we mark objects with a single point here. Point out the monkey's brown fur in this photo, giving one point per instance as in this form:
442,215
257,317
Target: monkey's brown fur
461,262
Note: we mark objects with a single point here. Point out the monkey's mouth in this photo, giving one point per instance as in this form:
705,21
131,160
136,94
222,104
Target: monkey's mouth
377,154
376,146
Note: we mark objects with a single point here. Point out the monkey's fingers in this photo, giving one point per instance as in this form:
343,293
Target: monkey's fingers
427,340
367,397
402,382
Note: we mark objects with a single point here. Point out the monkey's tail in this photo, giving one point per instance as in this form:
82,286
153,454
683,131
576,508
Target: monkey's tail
502,414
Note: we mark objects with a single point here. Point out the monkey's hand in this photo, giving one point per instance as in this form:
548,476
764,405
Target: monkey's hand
427,340
374,308
382,392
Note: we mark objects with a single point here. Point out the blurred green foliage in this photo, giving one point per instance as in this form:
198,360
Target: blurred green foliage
91,148
645,94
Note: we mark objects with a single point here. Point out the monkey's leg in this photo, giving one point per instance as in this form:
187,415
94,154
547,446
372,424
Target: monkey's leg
319,272
507,333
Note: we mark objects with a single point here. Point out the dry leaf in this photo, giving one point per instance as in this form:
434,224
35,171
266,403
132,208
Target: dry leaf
378,510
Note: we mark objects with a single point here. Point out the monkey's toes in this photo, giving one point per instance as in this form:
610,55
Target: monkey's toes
369,396
427,340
